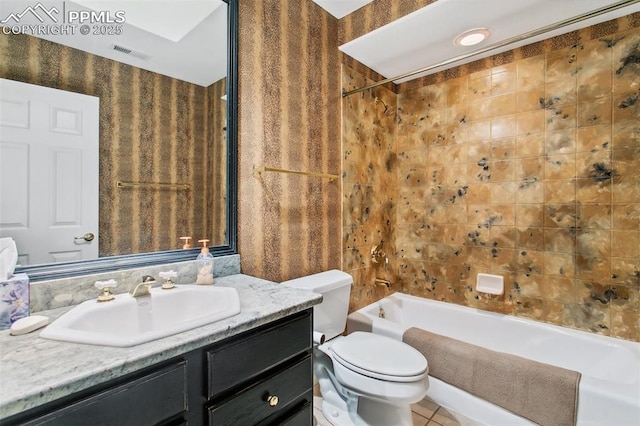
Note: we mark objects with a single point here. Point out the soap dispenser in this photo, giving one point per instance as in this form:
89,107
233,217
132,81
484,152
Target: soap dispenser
204,263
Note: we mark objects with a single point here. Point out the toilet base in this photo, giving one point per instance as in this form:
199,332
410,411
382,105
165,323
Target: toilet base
335,414
343,406
369,413
375,412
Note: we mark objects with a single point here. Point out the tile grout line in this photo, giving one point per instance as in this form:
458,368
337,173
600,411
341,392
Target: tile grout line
433,415
430,418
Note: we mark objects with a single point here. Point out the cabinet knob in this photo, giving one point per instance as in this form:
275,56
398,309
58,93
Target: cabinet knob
272,400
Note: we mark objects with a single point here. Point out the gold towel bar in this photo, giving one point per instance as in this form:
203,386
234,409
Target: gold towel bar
258,170
156,185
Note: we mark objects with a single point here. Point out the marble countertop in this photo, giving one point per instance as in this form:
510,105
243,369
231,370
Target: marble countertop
34,371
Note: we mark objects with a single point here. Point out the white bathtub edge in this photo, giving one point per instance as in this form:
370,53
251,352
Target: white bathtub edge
595,394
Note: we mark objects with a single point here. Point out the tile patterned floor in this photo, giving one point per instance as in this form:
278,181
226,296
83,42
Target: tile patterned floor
425,413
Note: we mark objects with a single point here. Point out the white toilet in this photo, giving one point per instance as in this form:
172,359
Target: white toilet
365,378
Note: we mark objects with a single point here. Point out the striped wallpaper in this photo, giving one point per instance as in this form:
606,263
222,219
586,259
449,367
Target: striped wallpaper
289,115
153,128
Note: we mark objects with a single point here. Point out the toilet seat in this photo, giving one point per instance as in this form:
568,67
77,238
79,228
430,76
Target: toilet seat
380,357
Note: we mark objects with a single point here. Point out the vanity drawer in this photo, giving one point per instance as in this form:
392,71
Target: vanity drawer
292,387
301,415
150,399
235,363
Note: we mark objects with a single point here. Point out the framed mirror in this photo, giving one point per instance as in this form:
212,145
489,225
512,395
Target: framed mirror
166,124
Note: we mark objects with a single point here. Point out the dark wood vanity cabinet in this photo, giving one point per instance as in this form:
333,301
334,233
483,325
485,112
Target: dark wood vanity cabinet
160,395
258,378
261,377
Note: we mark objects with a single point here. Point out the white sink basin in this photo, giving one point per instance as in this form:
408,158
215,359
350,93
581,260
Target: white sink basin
129,321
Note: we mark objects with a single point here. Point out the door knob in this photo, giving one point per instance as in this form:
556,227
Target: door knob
87,237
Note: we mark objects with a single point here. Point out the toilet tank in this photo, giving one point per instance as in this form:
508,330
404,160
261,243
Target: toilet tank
330,316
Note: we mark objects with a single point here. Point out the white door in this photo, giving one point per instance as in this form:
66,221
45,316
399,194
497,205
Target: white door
48,172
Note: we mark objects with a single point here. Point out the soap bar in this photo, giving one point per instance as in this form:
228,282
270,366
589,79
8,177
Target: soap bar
28,324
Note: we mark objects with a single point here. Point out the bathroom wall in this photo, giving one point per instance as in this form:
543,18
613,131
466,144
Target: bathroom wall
289,115
152,128
525,165
370,183
213,169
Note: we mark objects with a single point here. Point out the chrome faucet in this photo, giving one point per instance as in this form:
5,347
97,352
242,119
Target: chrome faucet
143,289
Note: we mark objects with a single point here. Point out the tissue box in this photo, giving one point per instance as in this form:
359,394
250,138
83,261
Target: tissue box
14,300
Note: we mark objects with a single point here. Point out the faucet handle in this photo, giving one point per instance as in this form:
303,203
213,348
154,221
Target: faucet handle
168,277
377,254
105,286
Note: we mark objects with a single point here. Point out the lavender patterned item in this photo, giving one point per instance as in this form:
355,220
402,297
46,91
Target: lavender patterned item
14,300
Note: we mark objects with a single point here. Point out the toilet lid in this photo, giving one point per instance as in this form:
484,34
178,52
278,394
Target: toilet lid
379,356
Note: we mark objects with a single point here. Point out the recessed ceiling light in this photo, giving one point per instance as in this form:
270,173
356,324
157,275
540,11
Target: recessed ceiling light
472,36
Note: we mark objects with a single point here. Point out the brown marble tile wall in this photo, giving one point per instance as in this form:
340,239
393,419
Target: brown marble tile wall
369,182
366,72
289,89
529,169
152,128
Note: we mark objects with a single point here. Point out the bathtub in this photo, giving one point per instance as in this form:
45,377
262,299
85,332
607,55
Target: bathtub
609,390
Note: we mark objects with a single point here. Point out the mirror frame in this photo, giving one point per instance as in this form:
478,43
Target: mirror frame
85,267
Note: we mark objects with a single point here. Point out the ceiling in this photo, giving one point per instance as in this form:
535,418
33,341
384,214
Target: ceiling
341,8
170,19
425,37
185,39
